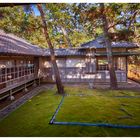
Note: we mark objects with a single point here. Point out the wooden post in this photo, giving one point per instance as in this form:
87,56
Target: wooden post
25,88
36,66
126,67
11,96
126,64
34,83
39,81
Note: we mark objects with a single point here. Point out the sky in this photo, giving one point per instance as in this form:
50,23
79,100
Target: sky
36,10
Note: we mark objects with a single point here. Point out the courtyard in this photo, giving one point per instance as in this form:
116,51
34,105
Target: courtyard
69,69
80,104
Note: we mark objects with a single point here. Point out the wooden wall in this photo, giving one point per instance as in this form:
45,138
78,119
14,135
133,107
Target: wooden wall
17,70
74,70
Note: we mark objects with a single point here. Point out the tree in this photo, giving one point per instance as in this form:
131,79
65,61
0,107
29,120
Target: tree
57,15
117,21
27,25
60,19
113,79
66,26
23,28
53,60
98,15
76,23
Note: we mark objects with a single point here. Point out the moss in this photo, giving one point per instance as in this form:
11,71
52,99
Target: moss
32,119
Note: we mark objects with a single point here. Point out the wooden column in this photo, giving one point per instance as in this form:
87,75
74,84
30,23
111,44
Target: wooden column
126,63
126,67
36,66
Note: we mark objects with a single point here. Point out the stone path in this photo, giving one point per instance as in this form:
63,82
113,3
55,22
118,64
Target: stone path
13,106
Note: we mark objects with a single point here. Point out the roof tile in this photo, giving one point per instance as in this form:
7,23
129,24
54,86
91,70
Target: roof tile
14,45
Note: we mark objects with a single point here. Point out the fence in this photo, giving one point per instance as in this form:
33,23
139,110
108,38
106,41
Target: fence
80,74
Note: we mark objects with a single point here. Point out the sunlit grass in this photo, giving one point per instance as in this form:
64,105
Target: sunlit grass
99,109
32,119
134,75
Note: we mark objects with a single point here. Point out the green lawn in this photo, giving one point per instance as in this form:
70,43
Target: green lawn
33,117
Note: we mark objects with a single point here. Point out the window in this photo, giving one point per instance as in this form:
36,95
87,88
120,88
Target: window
6,71
15,71
121,63
102,64
75,62
11,69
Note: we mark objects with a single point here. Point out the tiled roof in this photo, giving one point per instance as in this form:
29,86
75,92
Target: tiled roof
118,53
99,43
67,52
79,52
10,44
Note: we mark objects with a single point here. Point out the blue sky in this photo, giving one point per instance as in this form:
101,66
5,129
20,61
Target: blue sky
36,10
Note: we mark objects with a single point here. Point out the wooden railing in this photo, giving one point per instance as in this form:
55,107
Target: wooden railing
80,74
13,77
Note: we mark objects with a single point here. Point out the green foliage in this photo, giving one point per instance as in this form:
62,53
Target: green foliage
121,18
82,22
24,25
66,16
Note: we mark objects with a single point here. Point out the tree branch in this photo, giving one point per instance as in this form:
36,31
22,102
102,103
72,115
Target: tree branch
124,22
132,19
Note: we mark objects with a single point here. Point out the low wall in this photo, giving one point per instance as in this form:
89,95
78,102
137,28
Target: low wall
74,74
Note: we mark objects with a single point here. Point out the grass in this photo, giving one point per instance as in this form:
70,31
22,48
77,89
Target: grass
33,117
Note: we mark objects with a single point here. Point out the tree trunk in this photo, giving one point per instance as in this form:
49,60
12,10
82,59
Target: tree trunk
53,60
113,79
67,40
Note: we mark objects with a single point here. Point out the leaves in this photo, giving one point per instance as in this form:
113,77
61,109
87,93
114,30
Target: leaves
81,21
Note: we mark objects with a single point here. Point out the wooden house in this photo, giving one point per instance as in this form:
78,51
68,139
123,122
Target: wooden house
23,64
88,63
19,64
